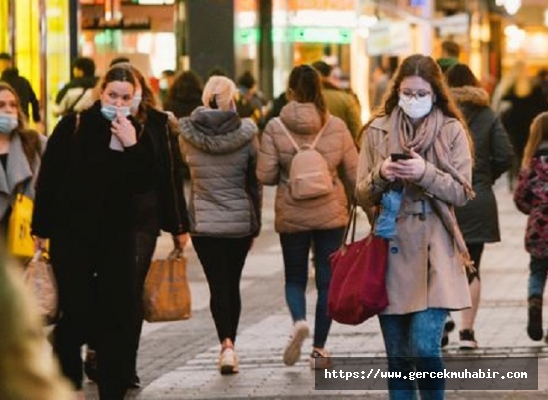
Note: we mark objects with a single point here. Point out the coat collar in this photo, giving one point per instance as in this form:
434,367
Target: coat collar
18,169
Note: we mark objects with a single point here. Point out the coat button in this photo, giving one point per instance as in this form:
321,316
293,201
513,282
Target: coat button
422,217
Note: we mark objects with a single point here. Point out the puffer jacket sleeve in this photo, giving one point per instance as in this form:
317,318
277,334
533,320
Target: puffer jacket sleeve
268,164
441,184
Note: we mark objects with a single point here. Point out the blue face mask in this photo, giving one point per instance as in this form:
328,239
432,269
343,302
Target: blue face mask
110,111
8,123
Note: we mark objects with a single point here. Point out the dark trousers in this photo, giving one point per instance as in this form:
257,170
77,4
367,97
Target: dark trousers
295,249
145,244
96,285
223,260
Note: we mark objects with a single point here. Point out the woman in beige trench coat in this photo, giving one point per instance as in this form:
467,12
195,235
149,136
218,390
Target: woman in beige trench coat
427,257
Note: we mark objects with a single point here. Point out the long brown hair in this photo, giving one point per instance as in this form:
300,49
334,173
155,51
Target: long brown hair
426,68
304,86
29,138
538,133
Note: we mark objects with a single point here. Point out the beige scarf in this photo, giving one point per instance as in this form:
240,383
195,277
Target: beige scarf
423,141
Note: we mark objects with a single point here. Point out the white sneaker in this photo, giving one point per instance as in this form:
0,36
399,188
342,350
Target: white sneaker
292,351
228,362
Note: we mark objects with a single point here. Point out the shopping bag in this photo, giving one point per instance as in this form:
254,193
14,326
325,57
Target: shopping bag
166,295
39,277
357,290
19,240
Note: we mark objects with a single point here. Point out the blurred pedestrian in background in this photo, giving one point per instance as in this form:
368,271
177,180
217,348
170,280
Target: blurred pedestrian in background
519,100
250,101
450,52
531,198
319,222
10,74
379,83
94,165
225,202
478,219
339,102
77,95
425,276
184,95
20,154
166,81
27,369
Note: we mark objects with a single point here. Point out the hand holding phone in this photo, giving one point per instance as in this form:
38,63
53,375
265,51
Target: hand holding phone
399,156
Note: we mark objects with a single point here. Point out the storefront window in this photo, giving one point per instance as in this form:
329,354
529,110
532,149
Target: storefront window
58,55
4,21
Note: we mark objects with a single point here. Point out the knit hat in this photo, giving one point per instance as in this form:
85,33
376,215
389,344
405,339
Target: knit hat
218,93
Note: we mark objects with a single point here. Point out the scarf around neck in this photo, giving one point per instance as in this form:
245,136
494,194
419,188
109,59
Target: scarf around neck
424,141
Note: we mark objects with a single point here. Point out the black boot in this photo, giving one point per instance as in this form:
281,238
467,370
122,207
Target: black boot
534,323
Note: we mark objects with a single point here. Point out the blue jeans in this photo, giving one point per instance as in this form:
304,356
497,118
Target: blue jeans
295,249
538,269
413,343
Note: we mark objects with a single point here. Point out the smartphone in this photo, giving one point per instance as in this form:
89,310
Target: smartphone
399,156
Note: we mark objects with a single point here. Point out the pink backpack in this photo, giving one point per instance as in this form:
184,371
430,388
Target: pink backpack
309,175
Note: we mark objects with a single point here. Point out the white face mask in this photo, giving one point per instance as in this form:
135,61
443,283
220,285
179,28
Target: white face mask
416,107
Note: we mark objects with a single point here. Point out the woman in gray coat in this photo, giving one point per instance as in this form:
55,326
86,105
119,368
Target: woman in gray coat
478,219
220,150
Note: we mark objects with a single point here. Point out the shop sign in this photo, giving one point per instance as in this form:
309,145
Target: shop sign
457,24
389,38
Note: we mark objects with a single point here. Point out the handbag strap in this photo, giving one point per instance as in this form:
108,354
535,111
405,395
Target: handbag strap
352,221
352,218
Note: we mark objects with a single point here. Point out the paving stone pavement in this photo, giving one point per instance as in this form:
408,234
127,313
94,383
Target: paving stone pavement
178,360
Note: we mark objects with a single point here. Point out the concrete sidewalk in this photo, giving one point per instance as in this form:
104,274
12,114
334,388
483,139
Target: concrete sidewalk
500,330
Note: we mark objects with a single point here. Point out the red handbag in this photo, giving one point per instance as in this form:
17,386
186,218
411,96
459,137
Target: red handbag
357,290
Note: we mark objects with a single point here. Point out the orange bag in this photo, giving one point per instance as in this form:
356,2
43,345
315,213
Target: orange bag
166,295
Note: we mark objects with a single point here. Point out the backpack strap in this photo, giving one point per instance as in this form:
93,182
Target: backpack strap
289,136
321,131
292,140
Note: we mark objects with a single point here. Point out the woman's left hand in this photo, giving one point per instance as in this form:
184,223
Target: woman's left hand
124,130
411,169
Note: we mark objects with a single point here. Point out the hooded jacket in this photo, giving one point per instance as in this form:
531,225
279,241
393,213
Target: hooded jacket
221,152
335,145
478,219
531,198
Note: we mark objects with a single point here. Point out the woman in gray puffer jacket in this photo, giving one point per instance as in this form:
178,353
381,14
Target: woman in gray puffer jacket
478,219
225,202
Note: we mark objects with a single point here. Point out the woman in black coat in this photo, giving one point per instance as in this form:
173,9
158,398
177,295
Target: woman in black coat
493,155
163,207
95,163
